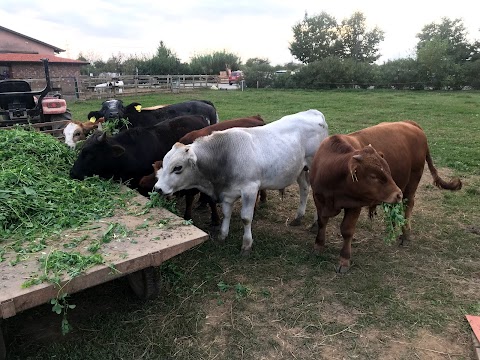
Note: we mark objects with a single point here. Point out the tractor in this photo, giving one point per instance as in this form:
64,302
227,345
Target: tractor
20,105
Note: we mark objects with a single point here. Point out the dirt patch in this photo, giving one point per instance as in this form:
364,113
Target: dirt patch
395,302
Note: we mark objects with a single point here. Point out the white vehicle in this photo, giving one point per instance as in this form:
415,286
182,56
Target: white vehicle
110,84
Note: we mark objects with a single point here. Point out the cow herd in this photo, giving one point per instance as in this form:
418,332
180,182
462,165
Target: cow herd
183,149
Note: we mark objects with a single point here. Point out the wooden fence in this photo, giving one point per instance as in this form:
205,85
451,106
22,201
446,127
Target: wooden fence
102,87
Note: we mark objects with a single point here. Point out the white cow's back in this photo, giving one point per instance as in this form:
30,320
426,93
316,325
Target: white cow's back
273,154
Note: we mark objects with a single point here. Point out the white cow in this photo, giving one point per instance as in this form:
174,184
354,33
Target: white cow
238,162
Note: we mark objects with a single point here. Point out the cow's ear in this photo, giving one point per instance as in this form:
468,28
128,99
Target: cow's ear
157,165
102,137
89,126
118,150
192,158
353,165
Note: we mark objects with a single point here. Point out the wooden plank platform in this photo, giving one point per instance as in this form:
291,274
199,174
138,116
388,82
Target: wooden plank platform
148,240
54,128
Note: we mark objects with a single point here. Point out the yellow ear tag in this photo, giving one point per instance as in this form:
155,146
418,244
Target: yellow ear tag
92,119
138,108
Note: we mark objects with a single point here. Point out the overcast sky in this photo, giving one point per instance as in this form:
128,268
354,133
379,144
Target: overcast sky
247,28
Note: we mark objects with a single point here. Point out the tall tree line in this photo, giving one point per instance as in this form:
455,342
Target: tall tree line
331,54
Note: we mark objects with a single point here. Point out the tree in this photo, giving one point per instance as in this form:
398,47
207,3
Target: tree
315,38
453,33
358,43
400,73
164,62
437,66
320,36
214,63
259,72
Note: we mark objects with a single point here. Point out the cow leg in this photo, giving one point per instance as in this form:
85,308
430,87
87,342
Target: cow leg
189,197
202,201
215,218
227,207
263,196
248,207
409,196
303,186
347,228
314,227
321,225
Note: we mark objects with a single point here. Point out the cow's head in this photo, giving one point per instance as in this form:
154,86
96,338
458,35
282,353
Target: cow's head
76,131
100,156
371,179
111,109
178,171
148,181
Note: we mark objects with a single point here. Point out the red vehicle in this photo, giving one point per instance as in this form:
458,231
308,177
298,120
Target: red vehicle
235,77
20,105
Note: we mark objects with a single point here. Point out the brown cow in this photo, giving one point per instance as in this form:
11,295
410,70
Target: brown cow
76,131
382,163
147,182
241,122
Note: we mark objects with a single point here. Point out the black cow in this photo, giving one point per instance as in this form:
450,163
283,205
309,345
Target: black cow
151,116
129,155
111,109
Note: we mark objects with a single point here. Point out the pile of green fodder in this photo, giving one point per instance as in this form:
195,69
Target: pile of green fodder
38,199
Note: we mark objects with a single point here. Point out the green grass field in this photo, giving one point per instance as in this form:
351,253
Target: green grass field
282,302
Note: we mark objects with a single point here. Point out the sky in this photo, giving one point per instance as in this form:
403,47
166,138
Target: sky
246,28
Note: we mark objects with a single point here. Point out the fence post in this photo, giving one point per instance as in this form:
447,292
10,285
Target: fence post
77,95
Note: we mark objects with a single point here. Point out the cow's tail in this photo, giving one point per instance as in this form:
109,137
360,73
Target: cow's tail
454,184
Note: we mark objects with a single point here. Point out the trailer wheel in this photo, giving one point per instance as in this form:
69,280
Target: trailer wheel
145,283
3,349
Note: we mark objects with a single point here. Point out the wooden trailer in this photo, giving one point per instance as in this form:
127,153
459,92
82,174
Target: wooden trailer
132,243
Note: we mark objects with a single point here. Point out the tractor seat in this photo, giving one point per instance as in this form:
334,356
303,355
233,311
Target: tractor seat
16,86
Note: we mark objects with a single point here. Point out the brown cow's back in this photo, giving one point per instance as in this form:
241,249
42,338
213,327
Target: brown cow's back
241,122
403,144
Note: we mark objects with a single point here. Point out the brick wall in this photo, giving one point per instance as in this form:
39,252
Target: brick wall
61,75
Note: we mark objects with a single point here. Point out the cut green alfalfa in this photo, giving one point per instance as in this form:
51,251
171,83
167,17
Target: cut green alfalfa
394,218
37,196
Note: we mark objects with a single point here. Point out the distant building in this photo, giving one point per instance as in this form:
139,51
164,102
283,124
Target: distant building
20,59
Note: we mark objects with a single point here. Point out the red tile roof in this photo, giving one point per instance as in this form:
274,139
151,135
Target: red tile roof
14,57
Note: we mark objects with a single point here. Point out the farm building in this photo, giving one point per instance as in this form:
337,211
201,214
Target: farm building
20,59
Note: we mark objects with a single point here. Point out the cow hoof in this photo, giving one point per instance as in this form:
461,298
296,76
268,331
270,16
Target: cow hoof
318,250
201,206
341,269
246,252
296,222
215,234
403,242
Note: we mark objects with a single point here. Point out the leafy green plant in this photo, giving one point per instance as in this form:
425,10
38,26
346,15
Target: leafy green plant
114,230
61,306
394,218
37,196
242,291
112,126
157,200
223,287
